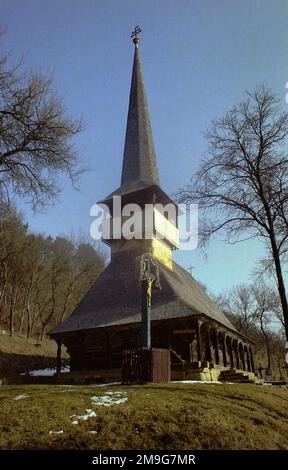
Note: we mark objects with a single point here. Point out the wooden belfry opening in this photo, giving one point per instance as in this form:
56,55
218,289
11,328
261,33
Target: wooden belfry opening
146,364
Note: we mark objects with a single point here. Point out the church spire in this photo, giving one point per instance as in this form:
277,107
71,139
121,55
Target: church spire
139,163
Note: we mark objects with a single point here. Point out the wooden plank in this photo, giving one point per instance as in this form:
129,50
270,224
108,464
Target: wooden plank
184,331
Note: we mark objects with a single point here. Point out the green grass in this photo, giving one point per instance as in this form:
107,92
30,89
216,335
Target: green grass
158,416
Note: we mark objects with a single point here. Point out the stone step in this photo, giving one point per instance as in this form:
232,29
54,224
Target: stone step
232,375
236,380
233,371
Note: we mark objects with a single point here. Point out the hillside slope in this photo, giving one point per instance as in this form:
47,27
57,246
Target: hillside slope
19,354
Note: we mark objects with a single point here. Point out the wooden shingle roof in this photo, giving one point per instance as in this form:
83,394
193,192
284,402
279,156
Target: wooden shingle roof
115,298
139,162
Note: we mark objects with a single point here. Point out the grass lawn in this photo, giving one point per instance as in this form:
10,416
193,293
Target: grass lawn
156,416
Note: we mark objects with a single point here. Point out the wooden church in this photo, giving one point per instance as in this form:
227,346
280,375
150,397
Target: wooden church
202,340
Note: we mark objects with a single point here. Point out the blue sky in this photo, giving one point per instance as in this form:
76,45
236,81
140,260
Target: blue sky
198,58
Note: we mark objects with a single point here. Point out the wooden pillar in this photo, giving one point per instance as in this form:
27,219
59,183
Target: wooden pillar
216,348
109,352
198,337
251,360
224,351
232,365
82,352
247,359
237,356
58,360
208,345
243,358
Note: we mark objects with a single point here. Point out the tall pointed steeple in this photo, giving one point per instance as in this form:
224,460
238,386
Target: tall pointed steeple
139,162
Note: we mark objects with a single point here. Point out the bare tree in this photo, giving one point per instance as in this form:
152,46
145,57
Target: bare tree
242,184
240,302
266,306
41,279
253,308
35,136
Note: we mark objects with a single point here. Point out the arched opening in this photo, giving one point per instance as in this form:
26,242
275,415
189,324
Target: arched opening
251,360
230,358
181,344
247,358
214,349
235,353
242,364
222,350
205,343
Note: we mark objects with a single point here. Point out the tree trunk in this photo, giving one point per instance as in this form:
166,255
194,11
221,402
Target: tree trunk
268,355
279,275
11,315
21,321
28,319
2,291
22,315
13,300
43,332
282,292
267,341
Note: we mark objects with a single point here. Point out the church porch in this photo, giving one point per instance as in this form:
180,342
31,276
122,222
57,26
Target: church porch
199,349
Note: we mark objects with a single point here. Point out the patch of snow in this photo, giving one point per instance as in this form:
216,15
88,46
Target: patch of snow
89,414
108,400
106,384
20,397
196,382
48,372
93,432
56,432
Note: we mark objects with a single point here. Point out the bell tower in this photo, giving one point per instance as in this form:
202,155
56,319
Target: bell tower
140,184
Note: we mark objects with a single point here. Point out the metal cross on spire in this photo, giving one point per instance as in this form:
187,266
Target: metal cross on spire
134,35
190,269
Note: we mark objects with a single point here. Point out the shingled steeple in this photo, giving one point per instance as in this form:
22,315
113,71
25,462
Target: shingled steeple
139,162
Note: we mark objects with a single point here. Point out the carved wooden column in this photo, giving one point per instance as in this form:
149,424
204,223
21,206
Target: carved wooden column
198,337
83,352
251,360
109,355
243,358
248,359
232,365
216,348
237,356
208,346
224,351
58,360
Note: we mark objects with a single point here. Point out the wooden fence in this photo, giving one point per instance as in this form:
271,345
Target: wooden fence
142,365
